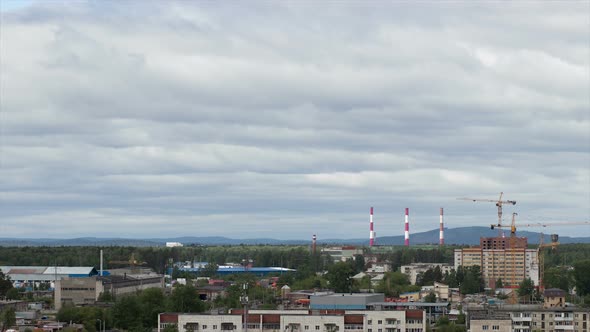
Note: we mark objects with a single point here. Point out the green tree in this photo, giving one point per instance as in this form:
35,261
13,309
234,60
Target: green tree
127,313
7,318
12,294
499,283
5,284
185,299
152,303
472,280
359,263
526,288
582,277
340,277
558,277
430,298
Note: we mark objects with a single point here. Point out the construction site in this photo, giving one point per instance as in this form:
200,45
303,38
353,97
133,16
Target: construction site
507,260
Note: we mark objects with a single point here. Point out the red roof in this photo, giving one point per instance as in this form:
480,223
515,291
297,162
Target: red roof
353,319
416,314
169,318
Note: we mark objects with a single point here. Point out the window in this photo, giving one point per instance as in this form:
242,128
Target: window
317,327
370,330
369,322
495,327
379,322
484,327
307,327
204,327
215,327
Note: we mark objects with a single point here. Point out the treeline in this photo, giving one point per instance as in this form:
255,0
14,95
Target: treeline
158,258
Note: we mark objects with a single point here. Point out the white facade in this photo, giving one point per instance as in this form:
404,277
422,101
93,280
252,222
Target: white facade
414,269
173,244
302,321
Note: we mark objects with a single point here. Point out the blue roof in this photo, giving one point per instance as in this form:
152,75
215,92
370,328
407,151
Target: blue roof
240,269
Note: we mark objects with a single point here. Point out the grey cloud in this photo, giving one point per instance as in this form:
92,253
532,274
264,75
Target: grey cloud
184,116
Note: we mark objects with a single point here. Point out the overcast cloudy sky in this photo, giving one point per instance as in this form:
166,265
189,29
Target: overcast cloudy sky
285,119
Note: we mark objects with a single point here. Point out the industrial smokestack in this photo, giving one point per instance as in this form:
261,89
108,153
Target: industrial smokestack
441,237
313,243
371,230
101,262
407,231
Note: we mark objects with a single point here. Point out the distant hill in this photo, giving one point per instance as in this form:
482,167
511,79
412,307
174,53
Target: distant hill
470,236
458,236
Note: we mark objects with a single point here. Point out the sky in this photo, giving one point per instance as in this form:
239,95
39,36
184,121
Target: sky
281,120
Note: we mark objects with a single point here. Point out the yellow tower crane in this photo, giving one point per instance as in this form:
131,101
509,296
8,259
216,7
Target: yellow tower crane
499,203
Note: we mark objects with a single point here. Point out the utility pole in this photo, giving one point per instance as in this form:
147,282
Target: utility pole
244,299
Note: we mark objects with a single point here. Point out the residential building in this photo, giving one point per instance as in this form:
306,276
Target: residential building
341,301
512,265
528,318
299,321
414,269
490,322
553,298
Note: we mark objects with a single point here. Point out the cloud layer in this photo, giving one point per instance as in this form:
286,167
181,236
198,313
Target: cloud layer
144,119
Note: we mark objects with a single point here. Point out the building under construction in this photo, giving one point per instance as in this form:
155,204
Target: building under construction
502,258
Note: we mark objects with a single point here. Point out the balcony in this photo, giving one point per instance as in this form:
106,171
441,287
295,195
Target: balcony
564,328
569,318
522,319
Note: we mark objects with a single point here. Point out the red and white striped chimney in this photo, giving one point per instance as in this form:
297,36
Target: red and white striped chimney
407,231
313,239
371,230
441,237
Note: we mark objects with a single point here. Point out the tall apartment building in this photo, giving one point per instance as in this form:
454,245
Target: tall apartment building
498,260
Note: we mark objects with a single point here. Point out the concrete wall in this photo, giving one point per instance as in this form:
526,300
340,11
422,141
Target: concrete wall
490,325
345,301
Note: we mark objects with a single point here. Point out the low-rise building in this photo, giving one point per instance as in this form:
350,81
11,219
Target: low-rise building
299,321
80,291
491,322
414,269
345,301
529,318
342,254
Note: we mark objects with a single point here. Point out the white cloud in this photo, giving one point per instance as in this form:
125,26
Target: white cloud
288,120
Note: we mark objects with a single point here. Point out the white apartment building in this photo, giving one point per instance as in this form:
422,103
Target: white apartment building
297,321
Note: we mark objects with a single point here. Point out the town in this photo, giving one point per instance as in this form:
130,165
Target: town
496,286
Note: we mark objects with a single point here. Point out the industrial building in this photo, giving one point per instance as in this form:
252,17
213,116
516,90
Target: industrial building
342,254
33,276
81,291
499,259
299,321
